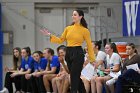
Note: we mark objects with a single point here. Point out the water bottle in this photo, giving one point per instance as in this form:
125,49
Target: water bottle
101,73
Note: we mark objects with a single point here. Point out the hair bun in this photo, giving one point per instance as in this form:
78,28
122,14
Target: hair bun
100,41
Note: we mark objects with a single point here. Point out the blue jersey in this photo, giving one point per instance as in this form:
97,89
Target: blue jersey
41,65
27,64
55,63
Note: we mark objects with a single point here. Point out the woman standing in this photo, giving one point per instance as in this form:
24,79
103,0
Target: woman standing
75,35
8,79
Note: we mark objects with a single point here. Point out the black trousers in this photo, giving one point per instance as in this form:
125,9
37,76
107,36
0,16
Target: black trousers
130,76
25,84
9,80
75,59
37,85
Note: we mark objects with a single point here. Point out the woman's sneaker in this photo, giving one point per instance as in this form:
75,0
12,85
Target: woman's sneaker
111,81
5,90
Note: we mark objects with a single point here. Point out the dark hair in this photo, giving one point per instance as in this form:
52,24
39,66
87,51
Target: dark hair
16,61
98,43
83,21
133,47
39,53
63,47
105,41
113,46
28,50
51,51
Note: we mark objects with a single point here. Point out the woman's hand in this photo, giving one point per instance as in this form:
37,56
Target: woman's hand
102,69
28,76
6,69
61,59
38,74
14,74
106,70
139,71
93,63
45,32
61,73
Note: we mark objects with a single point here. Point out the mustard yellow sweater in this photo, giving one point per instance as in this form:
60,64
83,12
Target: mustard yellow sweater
75,35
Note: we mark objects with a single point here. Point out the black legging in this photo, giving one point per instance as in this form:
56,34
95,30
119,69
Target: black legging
75,59
37,84
124,79
25,84
9,80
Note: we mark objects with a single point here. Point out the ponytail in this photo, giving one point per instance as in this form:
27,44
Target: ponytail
136,51
83,22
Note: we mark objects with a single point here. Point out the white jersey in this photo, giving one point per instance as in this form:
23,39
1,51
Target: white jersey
113,60
101,56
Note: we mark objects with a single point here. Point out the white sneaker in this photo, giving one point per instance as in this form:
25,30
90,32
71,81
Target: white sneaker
5,90
111,81
22,91
17,92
